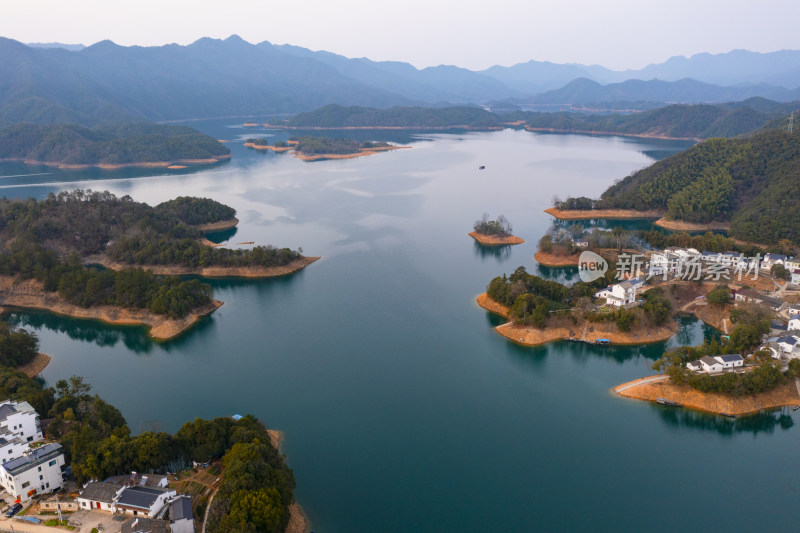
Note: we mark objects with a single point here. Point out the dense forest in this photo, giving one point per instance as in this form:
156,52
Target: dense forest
336,116
17,346
47,240
750,182
700,121
485,226
256,488
108,144
324,145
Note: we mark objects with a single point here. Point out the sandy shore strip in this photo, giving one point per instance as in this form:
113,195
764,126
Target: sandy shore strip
268,147
117,166
29,294
553,260
680,225
613,133
409,128
218,226
495,240
362,153
36,365
609,214
213,271
298,522
533,336
649,390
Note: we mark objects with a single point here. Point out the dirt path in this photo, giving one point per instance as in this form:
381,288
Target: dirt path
631,384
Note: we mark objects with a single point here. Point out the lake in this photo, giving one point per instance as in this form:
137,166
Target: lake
402,409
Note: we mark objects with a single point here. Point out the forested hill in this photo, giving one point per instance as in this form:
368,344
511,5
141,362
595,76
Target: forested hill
109,144
752,182
336,116
700,121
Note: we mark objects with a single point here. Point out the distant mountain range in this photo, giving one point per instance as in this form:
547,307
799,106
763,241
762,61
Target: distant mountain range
54,83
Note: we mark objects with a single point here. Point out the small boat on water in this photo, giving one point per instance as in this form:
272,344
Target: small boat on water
796,407
482,167
669,403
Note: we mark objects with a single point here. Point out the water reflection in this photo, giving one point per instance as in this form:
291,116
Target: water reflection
500,253
218,237
763,422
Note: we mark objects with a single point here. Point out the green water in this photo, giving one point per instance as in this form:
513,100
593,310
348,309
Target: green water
403,410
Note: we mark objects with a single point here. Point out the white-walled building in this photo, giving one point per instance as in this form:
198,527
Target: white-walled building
794,323
730,361
181,519
38,471
99,495
787,343
143,501
21,420
11,447
772,259
795,280
622,293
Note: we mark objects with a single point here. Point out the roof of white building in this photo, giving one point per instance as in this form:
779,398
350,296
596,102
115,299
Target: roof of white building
35,457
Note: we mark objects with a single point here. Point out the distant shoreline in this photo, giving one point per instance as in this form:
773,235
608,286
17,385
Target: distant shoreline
116,166
652,388
680,225
318,157
612,134
495,240
412,128
221,225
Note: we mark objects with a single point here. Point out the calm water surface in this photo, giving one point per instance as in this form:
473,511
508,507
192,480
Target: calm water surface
403,410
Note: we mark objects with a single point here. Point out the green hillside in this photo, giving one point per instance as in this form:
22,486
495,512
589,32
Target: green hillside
117,144
754,183
336,116
701,121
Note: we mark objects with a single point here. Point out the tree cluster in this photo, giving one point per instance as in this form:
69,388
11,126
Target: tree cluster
485,226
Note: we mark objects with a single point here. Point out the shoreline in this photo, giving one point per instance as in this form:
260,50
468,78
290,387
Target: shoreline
608,214
554,261
298,520
680,225
410,128
218,226
495,240
116,166
613,134
317,157
36,365
533,336
649,389
28,294
213,271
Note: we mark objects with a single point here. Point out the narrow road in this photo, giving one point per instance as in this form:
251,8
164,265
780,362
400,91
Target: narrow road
640,382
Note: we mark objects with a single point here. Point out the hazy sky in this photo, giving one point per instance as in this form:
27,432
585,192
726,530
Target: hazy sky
474,34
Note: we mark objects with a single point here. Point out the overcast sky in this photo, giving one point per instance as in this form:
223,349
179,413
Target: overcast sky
474,34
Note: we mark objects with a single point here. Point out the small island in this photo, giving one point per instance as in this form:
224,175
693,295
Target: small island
494,232
309,148
110,147
52,248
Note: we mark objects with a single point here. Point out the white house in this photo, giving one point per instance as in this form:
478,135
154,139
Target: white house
794,323
795,277
143,501
710,364
730,361
622,293
99,495
181,519
787,343
694,365
21,420
772,259
11,447
135,478
38,471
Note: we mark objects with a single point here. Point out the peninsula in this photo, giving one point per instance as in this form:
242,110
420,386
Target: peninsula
49,242
110,147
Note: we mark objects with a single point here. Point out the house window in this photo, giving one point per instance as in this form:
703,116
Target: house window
30,438
52,463
48,485
25,485
40,469
41,478
9,451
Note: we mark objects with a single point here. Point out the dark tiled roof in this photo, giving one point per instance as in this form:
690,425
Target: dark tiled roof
100,491
139,497
787,339
709,360
144,525
5,410
181,508
731,357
